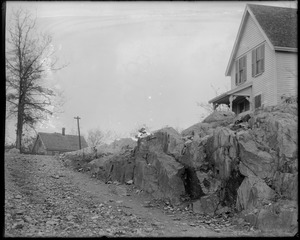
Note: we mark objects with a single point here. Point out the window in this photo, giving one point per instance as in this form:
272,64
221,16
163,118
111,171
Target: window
241,70
257,101
258,60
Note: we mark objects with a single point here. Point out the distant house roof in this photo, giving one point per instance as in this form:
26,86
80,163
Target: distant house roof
277,24
59,142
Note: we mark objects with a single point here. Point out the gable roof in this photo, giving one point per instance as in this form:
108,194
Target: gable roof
277,24
59,142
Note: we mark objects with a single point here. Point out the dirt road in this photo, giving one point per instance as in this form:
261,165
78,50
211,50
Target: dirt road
44,198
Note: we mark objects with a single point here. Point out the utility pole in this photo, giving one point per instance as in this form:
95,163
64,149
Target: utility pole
78,131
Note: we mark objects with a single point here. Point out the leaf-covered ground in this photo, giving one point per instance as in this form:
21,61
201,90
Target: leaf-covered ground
43,198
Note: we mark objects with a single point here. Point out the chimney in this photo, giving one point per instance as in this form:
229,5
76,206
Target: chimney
63,131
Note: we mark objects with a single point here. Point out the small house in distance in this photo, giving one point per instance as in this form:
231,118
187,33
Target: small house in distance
56,143
263,62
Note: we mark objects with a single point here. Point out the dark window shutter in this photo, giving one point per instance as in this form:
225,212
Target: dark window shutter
240,70
257,101
258,60
236,72
263,58
245,69
253,62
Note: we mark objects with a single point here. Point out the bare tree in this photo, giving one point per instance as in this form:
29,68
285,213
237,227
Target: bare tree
29,60
98,137
208,107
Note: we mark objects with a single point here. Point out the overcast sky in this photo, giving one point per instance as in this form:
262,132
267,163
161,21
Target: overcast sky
133,63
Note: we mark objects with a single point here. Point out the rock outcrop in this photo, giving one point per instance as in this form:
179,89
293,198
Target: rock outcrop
246,163
113,167
253,192
156,169
223,117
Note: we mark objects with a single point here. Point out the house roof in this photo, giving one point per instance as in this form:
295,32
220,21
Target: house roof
59,142
277,24
224,98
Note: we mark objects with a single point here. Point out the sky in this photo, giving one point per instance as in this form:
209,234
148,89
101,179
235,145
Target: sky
135,63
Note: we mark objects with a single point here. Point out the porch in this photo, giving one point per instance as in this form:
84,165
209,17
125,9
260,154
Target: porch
238,99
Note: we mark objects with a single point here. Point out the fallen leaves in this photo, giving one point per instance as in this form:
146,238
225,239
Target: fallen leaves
57,207
42,200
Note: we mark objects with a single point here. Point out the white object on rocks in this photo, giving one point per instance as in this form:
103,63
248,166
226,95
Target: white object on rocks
129,182
142,133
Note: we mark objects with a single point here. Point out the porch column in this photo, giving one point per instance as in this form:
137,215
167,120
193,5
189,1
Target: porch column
250,102
231,99
215,105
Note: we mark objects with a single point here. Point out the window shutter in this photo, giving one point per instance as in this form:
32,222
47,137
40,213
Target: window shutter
257,101
253,62
236,72
245,69
263,58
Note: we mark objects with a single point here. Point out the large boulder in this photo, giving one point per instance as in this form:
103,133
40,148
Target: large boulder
167,140
210,161
277,127
220,118
286,185
156,169
120,167
280,217
222,151
281,108
194,152
253,160
253,192
160,175
269,150
213,159
199,129
115,167
206,205
193,158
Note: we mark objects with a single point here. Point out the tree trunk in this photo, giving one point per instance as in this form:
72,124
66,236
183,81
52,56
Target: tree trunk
20,126
19,132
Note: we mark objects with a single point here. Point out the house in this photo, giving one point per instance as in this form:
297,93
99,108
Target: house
263,62
53,143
